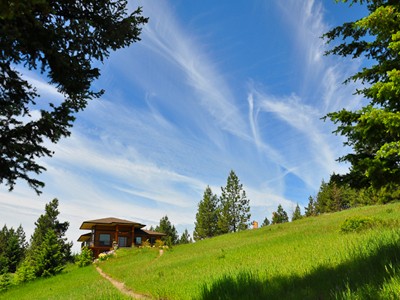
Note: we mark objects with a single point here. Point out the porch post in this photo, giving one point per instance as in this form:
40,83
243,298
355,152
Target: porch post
116,234
133,235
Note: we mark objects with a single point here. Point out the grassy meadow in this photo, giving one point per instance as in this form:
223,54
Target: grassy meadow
72,283
306,259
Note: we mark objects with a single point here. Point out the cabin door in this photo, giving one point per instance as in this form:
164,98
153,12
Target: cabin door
122,241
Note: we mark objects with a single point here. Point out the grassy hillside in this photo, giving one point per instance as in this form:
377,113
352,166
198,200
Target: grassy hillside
73,283
306,259
309,258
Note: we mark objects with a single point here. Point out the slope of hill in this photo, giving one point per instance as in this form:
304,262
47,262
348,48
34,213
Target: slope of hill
306,259
310,258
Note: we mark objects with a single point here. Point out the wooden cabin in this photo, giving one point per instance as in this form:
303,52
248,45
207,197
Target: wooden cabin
105,233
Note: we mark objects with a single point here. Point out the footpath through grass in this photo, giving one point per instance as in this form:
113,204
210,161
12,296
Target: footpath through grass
306,259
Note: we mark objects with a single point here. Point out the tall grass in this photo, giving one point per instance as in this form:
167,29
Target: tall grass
306,259
73,283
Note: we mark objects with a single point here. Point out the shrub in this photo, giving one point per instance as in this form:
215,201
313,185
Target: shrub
146,244
355,224
25,272
85,258
105,255
5,281
159,244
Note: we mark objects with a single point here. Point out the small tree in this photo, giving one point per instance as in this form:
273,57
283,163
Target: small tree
280,216
266,222
206,224
310,210
185,238
234,206
49,258
297,213
85,258
166,227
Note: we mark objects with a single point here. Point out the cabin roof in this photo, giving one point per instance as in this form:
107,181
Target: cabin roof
109,221
84,237
151,232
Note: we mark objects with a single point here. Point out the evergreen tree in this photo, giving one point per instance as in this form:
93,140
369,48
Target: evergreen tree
65,40
310,210
266,222
185,238
297,213
49,258
166,227
372,131
206,224
280,216
49,221
49,250
12,248
234,211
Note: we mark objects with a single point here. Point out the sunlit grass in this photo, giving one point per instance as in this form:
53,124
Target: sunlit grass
306,258
73,283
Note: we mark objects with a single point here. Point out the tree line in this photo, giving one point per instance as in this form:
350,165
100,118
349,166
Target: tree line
45,255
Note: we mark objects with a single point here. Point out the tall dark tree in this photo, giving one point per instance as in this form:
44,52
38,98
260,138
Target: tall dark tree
12,248
49,222
280,216
166,227
206,224
234,212
373,131
63,40
297,213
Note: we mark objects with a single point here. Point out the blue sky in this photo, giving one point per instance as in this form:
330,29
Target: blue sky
212,87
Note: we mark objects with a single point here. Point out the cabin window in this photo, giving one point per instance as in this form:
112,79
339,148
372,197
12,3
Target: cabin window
152,240
138,240
104,239
122,241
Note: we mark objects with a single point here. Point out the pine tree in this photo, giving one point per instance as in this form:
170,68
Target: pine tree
206,224
310,210
12,248
234,211
49,258
185,238
280,216
266,222
49,250
166,227
297,213
47,222
372,131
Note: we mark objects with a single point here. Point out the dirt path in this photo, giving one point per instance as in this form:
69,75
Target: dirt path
121,286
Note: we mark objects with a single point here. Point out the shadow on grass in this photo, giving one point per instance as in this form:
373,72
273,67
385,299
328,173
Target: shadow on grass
363,274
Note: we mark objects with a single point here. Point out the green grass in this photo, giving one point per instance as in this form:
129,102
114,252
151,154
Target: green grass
73,283
308,259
